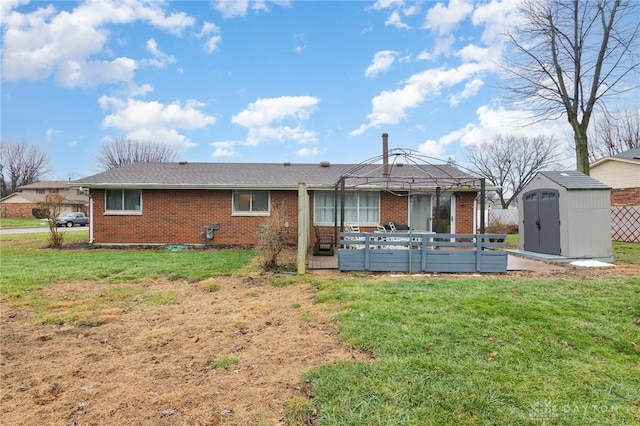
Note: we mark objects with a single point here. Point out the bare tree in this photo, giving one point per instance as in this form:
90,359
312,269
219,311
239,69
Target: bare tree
614,133
52,205
510,162
572,55
20,164
120,152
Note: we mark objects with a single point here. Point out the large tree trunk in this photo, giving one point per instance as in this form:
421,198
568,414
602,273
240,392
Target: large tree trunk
582,148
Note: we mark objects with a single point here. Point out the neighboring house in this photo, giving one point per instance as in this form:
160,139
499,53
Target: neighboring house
622,173
22,202
224,204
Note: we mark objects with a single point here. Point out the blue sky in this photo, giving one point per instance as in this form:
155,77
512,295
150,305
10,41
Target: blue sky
259,81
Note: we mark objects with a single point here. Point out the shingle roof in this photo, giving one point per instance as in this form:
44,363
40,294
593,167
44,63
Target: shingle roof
46,184
630,154
574,180
255,175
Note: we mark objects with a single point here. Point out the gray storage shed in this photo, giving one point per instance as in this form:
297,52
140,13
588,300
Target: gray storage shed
566,214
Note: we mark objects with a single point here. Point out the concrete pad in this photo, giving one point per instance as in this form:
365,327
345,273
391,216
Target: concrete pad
517,263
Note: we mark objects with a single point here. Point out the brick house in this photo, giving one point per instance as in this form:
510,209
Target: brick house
22,202
622,173
180,203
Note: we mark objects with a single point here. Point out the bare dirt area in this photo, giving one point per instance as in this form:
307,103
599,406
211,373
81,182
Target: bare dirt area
229,351
233,356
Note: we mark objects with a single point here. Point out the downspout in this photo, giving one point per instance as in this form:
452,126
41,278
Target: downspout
90,219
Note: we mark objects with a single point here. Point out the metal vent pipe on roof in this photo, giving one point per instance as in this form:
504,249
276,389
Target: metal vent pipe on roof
385,154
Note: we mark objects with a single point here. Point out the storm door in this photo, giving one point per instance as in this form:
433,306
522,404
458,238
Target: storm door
443,214
421,213
542,221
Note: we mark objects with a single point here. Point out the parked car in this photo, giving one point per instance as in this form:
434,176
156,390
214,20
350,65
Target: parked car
71,219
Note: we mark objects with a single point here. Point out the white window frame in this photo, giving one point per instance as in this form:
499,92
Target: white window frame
250,212
122,212
358,208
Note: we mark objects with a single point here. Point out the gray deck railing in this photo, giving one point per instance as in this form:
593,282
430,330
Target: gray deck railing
421,252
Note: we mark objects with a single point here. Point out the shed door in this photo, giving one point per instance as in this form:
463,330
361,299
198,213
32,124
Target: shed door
542,221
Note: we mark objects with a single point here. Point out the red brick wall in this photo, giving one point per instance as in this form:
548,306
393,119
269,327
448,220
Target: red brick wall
25,209
393,208
18,210
625,197
178,217
464,212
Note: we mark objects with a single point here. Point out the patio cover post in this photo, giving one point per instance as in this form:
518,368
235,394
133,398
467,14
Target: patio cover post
482,203
303,228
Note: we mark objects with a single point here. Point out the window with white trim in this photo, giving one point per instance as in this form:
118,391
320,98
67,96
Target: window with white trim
361,207
123,201
251,203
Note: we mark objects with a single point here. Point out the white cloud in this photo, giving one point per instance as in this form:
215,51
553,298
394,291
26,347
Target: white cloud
301,44
50,133
240,8
432,149
442,47
224,149
47,42
443,19
496,17
470,89
153,121
389,107
231,9
263,116
395,20
307,152
211,32
381,62
491,122
259,135
263,112
74,73
160,59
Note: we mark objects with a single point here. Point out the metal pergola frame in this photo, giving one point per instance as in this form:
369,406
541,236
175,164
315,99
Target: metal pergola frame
401,171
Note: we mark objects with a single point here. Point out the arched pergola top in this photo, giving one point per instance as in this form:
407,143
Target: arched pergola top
402,169
405,172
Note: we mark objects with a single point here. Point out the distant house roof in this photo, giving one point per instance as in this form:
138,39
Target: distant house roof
185,175
630,154
46,184
31,197
573,180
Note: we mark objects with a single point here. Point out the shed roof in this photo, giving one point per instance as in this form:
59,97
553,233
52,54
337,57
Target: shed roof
251,175
573,180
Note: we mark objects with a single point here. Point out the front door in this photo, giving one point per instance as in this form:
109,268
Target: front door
542,221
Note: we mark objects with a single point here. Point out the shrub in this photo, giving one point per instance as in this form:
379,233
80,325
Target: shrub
271,240
499,227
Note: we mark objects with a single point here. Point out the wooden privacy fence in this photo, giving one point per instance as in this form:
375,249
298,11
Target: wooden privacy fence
421,252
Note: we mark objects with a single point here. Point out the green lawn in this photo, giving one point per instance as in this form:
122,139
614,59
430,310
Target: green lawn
483,351
26,265
447,350
21,222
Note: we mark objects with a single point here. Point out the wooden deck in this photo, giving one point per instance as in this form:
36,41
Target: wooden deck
422,252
